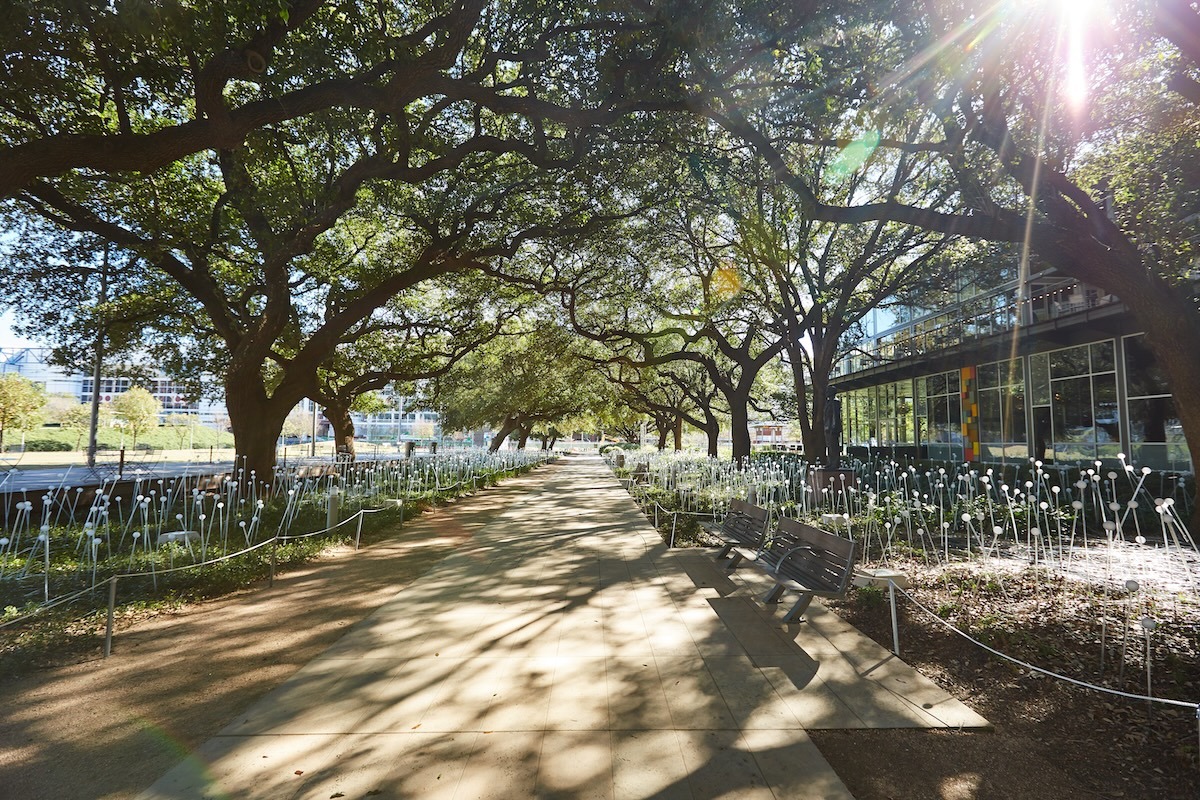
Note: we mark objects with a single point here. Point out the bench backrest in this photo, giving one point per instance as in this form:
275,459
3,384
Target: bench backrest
826,563
745,522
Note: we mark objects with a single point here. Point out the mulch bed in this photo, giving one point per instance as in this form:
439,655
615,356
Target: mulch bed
1046,729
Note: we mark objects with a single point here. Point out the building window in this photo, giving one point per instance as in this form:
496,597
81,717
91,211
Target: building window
1155,432
1001,392
943,416
859,417
1084,419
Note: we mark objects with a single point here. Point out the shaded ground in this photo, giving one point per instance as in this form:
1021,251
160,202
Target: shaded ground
109,728
93,729
1105,746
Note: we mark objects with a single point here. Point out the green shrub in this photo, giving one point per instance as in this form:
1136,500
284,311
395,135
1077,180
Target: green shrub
45,446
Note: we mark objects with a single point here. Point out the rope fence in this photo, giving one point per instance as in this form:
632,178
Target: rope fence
357,517
1148,698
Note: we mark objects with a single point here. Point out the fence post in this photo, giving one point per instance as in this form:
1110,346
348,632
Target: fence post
274,548
895,625
358,534
331,517
112,604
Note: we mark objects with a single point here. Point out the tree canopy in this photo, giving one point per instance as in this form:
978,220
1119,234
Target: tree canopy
265,180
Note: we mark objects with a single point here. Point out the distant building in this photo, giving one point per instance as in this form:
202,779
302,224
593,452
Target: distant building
32,363
399,425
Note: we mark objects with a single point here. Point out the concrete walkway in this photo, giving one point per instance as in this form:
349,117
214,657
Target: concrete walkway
565,652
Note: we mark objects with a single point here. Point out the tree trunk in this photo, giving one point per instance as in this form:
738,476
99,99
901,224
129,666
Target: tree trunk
822,366
343,429
510,425
712,430
812,437
677,429
256,420
662,427
524,437
255,442
739,425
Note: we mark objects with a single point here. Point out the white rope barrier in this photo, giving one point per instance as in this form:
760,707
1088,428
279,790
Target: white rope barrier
57,601
1043,671
273,541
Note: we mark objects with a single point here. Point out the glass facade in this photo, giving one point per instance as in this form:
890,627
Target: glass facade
1155,432
1084,417
1001,395
886,415
943,415
1075,404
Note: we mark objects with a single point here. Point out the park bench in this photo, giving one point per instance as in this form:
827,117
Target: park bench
640,476
807,560
744,527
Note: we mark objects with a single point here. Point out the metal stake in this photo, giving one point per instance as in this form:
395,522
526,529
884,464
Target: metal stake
112,603
895,624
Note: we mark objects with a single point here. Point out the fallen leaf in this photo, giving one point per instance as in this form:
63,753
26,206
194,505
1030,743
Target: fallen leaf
299,772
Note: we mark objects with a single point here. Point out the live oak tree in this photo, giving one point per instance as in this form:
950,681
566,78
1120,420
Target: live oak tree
651,392
676,296
995,125
418,335
288,172
703,397
532,375
132,87
812,282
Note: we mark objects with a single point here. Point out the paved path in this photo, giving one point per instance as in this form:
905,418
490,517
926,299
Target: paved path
565,652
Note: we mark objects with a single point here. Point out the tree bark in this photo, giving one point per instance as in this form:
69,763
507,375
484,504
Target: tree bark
662,427
714,439
677,429
343,429
812,437
255,440
739,425
510,424
256,418
524,437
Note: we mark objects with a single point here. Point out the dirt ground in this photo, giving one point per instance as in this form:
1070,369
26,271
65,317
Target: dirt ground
107,729
110,728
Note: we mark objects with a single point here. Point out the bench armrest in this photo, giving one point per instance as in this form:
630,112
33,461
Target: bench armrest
794,551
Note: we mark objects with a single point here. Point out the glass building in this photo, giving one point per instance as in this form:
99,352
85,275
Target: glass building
1048,368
